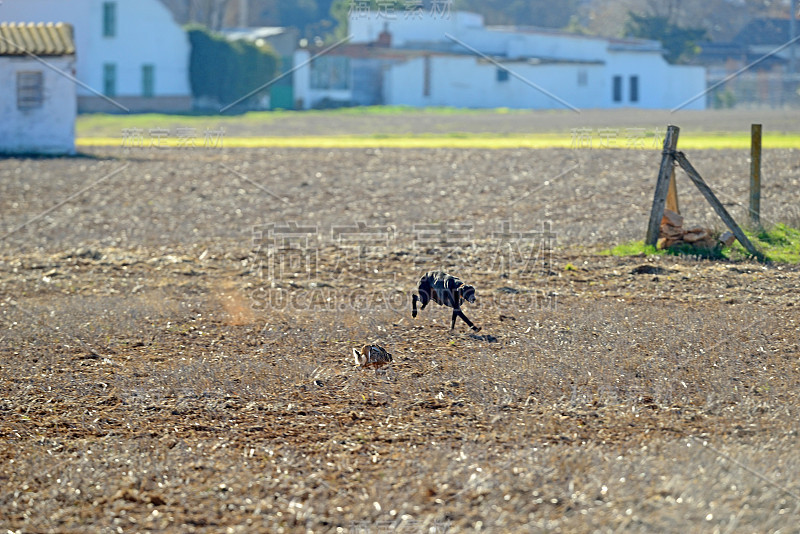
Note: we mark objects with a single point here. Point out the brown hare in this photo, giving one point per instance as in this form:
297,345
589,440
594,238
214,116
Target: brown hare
372,356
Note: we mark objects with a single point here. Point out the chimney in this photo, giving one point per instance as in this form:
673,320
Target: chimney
385,38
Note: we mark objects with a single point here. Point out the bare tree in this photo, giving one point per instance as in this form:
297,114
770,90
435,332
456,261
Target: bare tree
721,18
210,13
607,18
669,9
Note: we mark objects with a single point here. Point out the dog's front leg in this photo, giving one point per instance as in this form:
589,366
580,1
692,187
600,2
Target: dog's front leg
424,298
465,319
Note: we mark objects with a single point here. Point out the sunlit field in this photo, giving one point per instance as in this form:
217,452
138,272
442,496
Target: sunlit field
178,325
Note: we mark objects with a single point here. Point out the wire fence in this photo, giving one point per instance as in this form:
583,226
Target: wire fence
754,89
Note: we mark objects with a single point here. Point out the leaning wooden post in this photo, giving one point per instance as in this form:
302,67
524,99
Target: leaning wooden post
662,185
712,199
672,193
755,174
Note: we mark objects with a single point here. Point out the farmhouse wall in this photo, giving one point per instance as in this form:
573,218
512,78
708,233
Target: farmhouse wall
46,129
146,47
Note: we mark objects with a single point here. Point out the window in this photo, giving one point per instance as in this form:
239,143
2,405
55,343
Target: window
617,88
502,75
634,88
330,72
148,81
110,79
109,19
30,89
583,78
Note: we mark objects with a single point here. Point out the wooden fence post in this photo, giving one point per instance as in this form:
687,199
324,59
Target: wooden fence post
672,193
662,185
755,174
712,199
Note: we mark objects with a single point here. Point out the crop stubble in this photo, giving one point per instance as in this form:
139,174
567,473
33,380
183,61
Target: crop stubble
154,378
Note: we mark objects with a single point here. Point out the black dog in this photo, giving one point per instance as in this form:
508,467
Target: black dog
445,290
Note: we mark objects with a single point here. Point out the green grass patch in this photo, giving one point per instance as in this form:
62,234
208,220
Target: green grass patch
638,248
779,243
111,124
632,248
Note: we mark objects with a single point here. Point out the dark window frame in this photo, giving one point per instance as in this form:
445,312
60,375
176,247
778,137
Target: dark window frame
617,89
109,19
110,79
633,88
30,89
148,80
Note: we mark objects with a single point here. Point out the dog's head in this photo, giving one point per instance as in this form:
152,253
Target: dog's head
467,293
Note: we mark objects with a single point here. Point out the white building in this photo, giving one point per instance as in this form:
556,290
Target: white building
452,59
37,96
131,51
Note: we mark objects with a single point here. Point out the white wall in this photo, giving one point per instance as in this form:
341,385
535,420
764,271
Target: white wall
46,130
683,84
404,29
146,34
542,44
301,78
472,83
469,28
661,85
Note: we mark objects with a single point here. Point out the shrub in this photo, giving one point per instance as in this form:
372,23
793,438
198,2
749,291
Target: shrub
222,71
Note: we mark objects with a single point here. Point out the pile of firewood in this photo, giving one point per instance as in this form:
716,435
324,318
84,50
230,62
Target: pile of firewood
673,233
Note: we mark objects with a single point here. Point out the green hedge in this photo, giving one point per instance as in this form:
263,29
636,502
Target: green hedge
224,71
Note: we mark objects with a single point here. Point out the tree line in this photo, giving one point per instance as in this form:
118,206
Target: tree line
678,24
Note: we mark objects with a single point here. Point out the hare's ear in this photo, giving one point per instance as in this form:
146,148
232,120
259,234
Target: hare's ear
358,357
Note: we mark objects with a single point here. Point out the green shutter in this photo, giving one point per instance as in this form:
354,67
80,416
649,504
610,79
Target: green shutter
110,79
109,19
148,81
